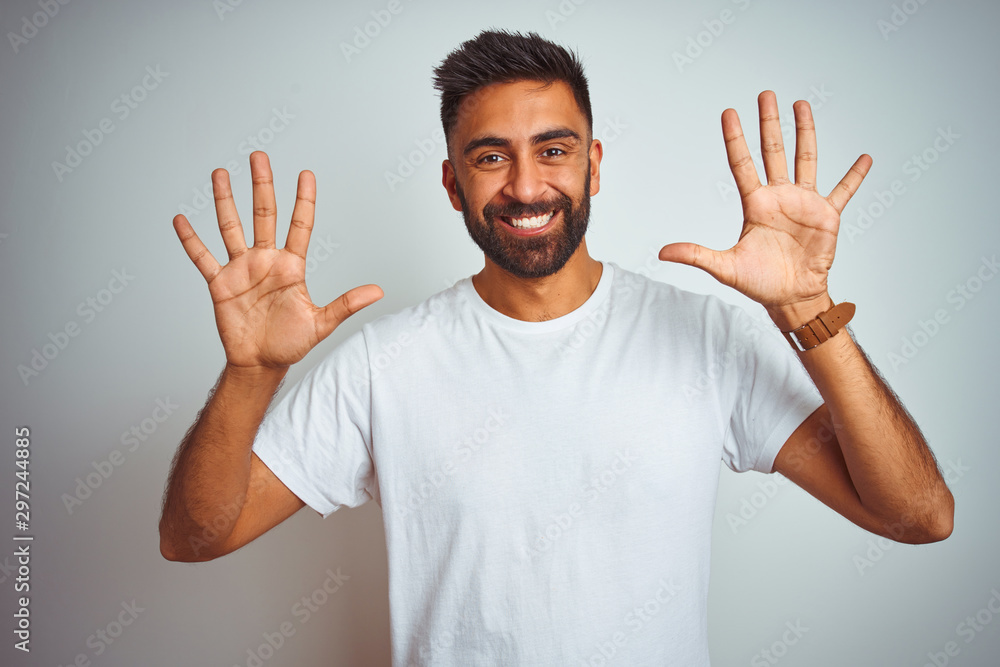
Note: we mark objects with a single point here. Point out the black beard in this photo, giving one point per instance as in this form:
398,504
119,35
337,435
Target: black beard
530,256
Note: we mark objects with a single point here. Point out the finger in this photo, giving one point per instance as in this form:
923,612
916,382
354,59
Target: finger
346,305
713,262
225,211
265,210
850,183
195,249
805,145
302,215
772,147
740,162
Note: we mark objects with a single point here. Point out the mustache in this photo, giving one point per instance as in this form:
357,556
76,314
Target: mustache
520,210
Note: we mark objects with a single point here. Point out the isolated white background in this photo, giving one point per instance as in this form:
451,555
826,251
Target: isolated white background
885,92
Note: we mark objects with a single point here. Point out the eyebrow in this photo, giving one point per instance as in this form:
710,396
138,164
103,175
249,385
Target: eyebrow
560,133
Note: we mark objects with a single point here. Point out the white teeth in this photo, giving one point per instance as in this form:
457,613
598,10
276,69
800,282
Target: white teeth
531,223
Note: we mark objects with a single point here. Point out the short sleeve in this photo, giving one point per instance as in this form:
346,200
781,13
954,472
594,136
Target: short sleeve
773,394
317,439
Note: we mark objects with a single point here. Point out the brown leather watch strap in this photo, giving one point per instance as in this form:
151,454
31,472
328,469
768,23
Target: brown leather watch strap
821,329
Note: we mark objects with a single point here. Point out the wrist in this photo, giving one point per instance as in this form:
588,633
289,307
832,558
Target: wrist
793,315
254,375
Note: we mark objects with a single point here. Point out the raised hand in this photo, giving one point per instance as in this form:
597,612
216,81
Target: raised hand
789,236
263,311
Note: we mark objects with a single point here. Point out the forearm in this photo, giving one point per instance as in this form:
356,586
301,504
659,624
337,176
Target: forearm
208,481
892,468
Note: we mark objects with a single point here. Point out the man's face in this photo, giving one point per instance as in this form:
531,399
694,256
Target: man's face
522,171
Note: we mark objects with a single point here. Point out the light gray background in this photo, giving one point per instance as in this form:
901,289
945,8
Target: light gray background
665,179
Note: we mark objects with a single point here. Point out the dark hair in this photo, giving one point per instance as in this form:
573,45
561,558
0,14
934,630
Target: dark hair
498,56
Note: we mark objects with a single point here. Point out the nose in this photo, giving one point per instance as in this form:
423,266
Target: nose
525,182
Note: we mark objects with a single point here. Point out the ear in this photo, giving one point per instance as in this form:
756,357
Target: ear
596,153
448,180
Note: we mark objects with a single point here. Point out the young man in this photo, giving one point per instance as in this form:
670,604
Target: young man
537,436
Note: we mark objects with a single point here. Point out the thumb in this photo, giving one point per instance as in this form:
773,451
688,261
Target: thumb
711,261
345,305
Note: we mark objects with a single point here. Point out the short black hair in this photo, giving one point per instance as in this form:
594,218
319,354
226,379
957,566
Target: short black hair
499,56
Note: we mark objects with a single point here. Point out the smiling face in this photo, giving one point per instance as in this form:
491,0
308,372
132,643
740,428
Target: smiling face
522,171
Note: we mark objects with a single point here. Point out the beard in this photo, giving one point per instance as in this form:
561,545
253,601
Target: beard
530,256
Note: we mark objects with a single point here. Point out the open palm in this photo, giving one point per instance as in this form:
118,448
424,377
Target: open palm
789,234
262,308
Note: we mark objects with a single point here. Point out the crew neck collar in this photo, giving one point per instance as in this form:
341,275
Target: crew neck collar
595,300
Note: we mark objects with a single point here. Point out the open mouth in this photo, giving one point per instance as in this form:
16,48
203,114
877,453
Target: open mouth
535,222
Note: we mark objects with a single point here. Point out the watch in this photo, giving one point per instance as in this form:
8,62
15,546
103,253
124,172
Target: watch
823,328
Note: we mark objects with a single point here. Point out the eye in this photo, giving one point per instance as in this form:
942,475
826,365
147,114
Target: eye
490,158
553,152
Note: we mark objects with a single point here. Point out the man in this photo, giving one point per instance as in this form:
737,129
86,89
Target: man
544,455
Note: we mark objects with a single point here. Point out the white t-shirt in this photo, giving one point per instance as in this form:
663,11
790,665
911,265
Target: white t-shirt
548,488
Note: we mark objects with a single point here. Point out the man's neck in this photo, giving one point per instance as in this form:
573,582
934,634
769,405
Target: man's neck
540,299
